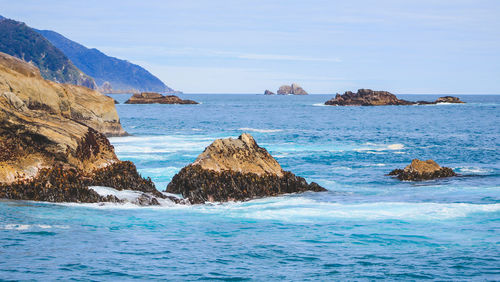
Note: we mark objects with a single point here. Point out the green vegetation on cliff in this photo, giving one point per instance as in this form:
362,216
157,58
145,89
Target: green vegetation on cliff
19,40
121,74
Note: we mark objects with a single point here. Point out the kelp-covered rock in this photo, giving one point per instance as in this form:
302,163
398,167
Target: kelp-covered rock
156,98
422,170
366,97
236,170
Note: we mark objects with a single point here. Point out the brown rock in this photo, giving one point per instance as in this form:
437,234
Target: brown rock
422,170
156,98
236,170
69,101
367,97
449,99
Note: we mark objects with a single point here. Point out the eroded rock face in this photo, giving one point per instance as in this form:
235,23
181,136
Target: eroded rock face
68,101
236,170
422,170
366,97
156,98
268,92
293,89
48,151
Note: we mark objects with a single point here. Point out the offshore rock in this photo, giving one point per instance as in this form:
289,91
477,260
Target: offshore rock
268,92
293,89
156,98
422,170
367,97
236,170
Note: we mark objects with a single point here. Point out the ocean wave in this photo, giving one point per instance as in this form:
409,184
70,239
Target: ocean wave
320,105
303,209
473,170
21,227
260,130
372,147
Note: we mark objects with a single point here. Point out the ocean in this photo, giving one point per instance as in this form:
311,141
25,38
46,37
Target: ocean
367,226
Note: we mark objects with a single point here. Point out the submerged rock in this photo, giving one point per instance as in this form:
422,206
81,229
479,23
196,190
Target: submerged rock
236,170
268,92
422,170
156,98
293,89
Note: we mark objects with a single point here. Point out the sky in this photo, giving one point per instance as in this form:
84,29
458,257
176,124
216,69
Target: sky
217,46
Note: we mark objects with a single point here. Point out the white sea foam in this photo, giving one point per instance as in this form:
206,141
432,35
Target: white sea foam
320,105
22,227
473,170
259,130
129,197
373,148
302,209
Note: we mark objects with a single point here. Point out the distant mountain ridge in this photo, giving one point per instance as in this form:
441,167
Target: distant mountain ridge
121,74
21,41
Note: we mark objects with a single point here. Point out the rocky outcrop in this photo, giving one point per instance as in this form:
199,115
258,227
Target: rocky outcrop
50,149
236,170
68,101
156,98
293,89
368,97
268,92
422,170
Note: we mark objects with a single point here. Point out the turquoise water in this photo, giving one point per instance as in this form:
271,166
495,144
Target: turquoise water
368,225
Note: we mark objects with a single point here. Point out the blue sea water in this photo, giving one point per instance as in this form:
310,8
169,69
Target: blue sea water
368,226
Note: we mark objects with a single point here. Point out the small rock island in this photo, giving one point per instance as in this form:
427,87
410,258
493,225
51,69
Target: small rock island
293,89
236,170
368,97
156,98
422,170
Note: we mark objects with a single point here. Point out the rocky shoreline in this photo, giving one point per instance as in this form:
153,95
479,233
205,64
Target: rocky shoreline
368,97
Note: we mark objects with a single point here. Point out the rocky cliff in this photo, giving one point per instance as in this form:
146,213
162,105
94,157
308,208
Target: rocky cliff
52,146
156,98
422,170
293,89
236,170
70,101
19,40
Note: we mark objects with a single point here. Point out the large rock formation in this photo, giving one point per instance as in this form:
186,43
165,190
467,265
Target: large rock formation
78,103
236,170
293,89
52,146
19,40
368,97
422,170
156,98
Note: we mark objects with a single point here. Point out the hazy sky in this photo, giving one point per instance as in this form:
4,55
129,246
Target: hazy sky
326,46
